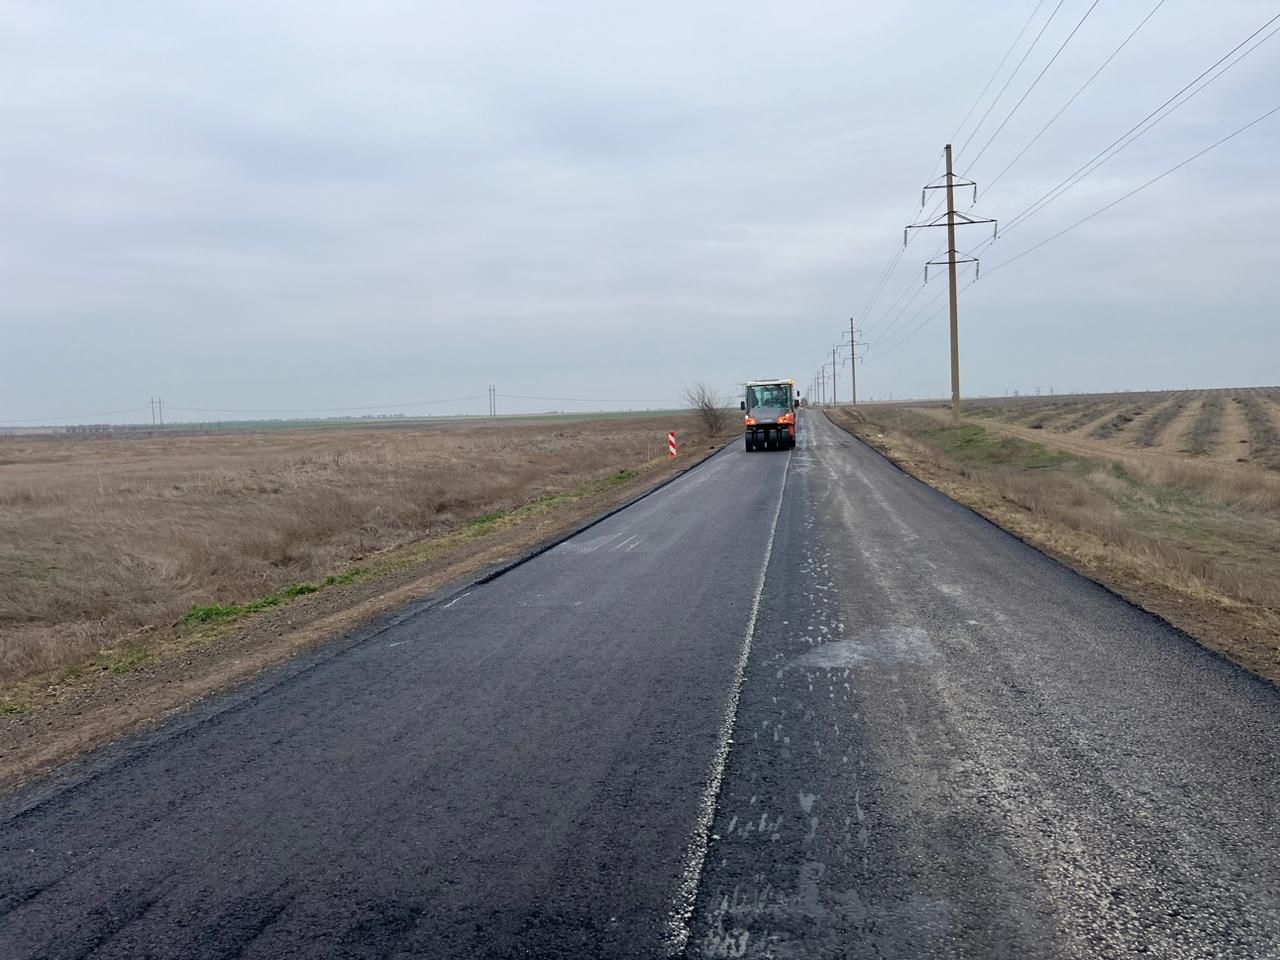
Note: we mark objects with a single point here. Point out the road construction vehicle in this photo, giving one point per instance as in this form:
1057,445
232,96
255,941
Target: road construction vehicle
770,421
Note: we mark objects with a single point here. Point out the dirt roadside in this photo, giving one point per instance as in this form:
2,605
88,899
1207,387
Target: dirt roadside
1246,633
66,717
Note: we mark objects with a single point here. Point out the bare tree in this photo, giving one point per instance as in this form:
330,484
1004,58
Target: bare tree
708,408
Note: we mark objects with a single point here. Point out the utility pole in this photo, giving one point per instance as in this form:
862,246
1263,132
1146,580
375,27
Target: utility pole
950,222
833,376
853,362
151,402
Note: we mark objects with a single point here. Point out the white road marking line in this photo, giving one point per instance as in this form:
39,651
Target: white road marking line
455,600
677,933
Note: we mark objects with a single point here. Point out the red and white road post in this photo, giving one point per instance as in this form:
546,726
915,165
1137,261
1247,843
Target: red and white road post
671,443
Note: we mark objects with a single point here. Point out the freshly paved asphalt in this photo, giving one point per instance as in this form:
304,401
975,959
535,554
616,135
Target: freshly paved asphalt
945,745
950,746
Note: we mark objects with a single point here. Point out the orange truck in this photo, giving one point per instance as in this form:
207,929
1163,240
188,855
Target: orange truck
771,421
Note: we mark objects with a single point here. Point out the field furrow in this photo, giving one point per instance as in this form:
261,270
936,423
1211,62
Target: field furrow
1203,432
1088,418
1264,438
1112,426
1176,438
1232,440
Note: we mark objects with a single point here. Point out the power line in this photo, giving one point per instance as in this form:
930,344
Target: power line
889,343
887,274
879,286
1142,126
912,285
987,86
908,333
911,331
991,107
1027,92
1093,76
1136,190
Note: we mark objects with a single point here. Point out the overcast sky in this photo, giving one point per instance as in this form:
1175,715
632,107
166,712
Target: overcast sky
301,205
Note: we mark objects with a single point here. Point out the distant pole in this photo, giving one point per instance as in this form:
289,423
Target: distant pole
853,363
833,376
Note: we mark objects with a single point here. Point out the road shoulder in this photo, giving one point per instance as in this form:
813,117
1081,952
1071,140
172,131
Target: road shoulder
1246,633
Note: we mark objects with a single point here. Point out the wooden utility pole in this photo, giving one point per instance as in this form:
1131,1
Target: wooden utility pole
952,219
833,375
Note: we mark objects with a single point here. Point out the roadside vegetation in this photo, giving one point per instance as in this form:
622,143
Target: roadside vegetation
110,547
712,412
1196,541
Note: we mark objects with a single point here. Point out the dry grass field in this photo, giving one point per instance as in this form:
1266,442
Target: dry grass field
1220,426
103,539
1168,496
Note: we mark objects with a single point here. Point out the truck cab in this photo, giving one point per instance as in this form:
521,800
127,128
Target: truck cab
771,420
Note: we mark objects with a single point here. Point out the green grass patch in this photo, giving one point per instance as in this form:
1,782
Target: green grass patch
299,590
619,478
971,444
1120,473
11,708
342,579
228,612
124,661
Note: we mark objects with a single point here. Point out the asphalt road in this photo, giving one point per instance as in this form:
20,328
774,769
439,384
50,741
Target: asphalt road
950,746
944,745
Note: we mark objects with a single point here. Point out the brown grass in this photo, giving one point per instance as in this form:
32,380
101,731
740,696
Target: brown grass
102,539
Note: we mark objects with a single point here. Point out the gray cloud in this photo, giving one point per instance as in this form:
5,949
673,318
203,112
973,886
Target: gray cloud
288,206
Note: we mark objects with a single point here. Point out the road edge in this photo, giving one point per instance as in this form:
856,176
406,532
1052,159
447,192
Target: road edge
1062,561
25,795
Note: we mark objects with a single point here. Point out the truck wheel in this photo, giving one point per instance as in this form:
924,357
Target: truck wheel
772,442
751,442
